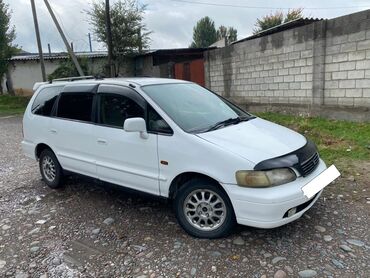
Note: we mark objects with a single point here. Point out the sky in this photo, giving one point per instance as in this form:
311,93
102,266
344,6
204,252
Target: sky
171,21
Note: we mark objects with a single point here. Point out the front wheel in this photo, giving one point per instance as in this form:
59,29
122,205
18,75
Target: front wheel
51,171
204,210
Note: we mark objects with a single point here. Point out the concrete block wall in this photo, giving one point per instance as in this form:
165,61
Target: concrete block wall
271,69
325,63
347,61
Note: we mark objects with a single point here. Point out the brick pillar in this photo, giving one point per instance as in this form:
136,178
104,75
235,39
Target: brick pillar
318,64
207,70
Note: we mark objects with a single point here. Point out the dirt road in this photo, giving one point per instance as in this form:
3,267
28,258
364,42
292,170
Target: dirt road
91,229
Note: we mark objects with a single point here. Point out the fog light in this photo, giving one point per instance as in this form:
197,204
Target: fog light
292,211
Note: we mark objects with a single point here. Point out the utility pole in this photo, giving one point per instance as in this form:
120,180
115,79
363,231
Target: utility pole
90,41
39,46
70,51
109,38
140,40
49,48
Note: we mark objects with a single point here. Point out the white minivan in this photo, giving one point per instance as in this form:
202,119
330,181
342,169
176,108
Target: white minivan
219,164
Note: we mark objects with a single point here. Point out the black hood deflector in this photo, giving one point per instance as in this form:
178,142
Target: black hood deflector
293,159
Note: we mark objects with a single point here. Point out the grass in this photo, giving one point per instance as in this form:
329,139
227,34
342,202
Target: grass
336,140
12,105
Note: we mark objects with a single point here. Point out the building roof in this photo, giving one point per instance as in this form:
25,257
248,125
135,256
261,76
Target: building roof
99,54
175,51
57,56
282,27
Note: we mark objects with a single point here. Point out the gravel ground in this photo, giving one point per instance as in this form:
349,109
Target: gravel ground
91,229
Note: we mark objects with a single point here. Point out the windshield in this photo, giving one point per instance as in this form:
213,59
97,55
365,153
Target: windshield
192,107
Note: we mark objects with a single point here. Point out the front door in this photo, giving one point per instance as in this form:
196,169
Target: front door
122,157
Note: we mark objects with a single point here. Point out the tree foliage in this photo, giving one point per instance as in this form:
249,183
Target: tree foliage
277,18
129,33
7,35
293,15
204,33
230,34
68,69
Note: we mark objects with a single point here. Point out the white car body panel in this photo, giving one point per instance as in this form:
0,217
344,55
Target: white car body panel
124,158
256,140
74,145
198,156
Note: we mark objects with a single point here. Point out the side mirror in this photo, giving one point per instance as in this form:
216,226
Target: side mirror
136,125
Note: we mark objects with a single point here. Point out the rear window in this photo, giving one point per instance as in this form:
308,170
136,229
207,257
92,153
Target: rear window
75,106
44,101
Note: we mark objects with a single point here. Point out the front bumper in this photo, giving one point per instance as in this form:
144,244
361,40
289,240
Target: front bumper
268,207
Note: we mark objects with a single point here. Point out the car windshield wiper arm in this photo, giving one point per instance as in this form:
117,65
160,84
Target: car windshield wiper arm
246,118
230,121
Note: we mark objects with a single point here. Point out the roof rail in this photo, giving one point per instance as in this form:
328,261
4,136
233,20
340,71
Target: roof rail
70,79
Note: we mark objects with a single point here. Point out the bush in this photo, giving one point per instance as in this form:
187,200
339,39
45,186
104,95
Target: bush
68,69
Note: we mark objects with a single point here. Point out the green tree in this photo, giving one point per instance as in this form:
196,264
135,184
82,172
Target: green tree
230,34
68,69
204,33
293,15
7,35
129,33
277,18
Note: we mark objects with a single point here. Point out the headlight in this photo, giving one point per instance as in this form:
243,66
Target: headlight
250,178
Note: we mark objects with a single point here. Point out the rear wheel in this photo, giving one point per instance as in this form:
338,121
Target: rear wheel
51,171
204,210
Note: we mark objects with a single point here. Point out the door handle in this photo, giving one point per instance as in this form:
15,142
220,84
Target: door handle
54,131
102,141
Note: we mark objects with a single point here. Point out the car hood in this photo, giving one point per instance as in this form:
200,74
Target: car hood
256,140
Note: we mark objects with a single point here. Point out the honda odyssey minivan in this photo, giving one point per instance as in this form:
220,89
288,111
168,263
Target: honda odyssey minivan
218,163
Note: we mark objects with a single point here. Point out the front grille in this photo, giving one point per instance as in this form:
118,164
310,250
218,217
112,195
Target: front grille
305,160
308,166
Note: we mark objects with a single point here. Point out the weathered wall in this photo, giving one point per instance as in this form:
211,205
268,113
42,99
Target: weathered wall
322,65
24,74
144,67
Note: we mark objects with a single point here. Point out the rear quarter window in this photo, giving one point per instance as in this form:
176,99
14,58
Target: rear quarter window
45,100
75,106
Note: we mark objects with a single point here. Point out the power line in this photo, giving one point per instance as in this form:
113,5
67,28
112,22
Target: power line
263,7
72,39
70,51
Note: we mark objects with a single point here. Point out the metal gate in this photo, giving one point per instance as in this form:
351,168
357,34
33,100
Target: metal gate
191,71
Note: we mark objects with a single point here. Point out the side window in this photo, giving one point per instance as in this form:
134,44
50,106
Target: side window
115,109
44,102
156,122
75,106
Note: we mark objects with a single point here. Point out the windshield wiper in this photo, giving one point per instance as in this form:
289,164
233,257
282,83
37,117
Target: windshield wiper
246,119
230,121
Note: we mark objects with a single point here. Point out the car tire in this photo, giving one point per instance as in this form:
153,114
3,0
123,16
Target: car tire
50,169
204,210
